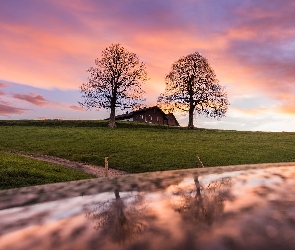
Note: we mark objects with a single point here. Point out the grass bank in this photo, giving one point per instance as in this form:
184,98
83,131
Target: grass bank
139,148
17,171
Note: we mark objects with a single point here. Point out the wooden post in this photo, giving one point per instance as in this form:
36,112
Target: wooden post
200,162
106,165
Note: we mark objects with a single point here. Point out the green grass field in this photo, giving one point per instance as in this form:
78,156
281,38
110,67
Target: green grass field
17,171
139,148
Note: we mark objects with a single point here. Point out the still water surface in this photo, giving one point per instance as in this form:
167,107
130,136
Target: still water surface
191,209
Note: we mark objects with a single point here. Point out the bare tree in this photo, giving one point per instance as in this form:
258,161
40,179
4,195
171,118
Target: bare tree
121,219
192,86
115,82
203,204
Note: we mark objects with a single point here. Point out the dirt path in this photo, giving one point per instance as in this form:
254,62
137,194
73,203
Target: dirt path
98,171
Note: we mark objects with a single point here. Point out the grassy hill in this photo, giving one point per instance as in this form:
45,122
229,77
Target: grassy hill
144,147
17,171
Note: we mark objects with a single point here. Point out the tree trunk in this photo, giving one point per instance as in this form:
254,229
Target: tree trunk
112,122
191,105
198,186
191,118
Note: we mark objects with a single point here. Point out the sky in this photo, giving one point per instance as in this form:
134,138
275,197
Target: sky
47,46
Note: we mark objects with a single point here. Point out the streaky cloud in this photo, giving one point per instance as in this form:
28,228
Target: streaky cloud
7,110
3,85
35,99
78,108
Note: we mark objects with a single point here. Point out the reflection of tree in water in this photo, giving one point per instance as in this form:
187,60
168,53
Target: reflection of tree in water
121,219
203,204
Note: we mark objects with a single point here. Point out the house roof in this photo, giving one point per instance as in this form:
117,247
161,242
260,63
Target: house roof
129,115
171,115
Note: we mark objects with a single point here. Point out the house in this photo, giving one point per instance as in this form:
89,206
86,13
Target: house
151,115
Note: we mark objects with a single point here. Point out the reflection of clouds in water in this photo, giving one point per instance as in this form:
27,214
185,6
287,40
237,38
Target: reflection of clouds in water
258,187
252,177
68,208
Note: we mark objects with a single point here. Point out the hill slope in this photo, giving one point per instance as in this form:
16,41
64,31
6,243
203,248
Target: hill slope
142,147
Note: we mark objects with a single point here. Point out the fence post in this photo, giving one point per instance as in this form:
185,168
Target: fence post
106,165
200,162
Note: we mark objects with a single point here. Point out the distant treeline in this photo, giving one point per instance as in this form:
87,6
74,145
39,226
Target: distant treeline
80,123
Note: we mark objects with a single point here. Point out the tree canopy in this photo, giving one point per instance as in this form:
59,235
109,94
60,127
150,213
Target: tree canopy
115,82
192,86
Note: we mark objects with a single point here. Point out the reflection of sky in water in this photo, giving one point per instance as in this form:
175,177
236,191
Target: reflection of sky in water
232,210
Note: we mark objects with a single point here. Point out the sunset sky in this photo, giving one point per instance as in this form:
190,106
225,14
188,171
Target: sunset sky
47,46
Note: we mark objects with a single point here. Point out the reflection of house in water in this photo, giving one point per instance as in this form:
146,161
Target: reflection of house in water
151,115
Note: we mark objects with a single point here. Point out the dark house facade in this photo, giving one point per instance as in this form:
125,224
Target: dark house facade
151,115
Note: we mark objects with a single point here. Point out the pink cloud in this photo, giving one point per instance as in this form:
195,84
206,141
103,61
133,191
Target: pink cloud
7,110
3,85
60,58
74,107
288,108
59,105
249,111
287,96
259,54
37,100
44,59
40,101
60,61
